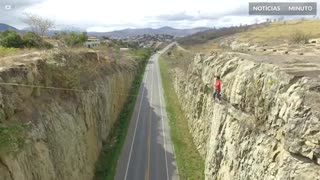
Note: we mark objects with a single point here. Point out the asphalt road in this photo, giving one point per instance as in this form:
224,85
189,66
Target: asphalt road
148,153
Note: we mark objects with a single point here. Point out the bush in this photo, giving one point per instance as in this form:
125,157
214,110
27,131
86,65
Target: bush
142,54
31,40
72,39
12,138
300,37
11,39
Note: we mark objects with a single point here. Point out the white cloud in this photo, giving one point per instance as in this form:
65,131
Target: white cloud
107,15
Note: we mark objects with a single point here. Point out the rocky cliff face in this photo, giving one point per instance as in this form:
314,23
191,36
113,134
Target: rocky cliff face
267,126
57,133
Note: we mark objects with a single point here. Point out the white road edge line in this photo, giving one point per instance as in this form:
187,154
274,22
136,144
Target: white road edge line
164,135
135,130
151,99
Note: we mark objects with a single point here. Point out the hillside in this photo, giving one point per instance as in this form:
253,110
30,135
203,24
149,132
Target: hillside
149,31
265,34
4,27
205,36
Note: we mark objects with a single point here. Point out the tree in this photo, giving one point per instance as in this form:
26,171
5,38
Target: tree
11,39
74,39
31,39
38,24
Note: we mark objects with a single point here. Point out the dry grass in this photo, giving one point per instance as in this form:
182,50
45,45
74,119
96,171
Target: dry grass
272,34
178,58
13,51
281,31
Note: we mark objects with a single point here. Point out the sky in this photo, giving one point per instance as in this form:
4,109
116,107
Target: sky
109,15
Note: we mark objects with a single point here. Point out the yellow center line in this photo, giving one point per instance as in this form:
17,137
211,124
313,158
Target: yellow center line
147,176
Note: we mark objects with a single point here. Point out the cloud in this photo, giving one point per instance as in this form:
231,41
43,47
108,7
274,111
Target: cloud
175,17
119,14
13,15
183,16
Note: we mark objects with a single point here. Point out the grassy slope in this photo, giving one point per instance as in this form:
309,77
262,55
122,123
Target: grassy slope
190,163
4,52
107,163
273,34
282,30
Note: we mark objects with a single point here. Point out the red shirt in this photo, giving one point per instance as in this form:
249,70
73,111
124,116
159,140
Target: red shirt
218,84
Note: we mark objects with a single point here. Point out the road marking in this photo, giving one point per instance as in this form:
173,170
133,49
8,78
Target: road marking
135,130
164,136
147,176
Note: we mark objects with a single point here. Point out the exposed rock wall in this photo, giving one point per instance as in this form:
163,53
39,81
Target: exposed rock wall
267,126
66,128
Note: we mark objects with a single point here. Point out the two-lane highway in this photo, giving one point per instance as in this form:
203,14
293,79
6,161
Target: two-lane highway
148,153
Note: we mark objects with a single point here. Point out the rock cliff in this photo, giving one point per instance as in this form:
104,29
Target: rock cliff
266,127
56,113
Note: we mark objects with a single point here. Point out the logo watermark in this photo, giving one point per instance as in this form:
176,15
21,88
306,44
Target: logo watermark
283,8
7,7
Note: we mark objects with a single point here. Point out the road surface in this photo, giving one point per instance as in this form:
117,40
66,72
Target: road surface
148,153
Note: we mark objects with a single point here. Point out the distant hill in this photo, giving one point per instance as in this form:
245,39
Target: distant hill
204,36
149,31
4,27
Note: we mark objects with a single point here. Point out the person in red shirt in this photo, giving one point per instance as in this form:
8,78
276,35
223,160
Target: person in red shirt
217,93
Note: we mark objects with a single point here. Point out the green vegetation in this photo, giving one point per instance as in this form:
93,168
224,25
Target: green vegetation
7,51
107,163
142,54
76,39
64,77
11,39
72,39
12,138
189,161
32,40
125,44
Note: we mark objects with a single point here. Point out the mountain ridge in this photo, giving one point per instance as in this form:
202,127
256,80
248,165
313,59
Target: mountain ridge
129,32
4,27
150,31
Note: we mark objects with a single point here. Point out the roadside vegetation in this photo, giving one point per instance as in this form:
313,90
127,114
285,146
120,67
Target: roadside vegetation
107,162
189,161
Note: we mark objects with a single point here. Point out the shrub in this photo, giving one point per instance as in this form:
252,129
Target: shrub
31,39
11,39
300,37
74,39
12,138
142,54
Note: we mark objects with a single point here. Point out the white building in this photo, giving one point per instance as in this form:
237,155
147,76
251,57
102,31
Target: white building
92,42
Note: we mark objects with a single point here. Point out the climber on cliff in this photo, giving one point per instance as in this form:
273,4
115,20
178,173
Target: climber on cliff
217,93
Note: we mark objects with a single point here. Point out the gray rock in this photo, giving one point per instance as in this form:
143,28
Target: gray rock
264,128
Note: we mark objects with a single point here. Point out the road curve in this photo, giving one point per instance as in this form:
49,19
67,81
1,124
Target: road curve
148,153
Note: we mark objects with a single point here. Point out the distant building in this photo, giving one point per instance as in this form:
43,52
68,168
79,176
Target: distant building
92,42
